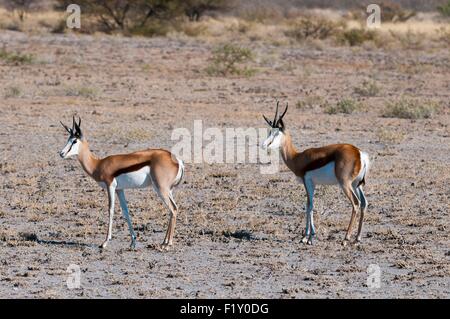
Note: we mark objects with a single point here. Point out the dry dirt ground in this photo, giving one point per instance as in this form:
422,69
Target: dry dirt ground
238,232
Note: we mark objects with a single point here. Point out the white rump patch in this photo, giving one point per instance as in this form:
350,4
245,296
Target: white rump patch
365,163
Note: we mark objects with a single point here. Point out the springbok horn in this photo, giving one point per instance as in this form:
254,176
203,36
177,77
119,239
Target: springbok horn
276,114
268,122
67,129
287,105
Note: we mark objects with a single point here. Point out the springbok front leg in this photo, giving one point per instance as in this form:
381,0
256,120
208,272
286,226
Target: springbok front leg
111,189
310,230
348,191
126,215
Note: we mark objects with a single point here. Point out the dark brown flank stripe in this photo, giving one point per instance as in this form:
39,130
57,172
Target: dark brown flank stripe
112,166
347,160
317,164
131,168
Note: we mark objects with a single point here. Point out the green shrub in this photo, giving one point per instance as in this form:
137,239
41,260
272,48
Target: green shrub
228,59
60,27
346,106
355,37
12,91
152,29
406,108
445,9
16,58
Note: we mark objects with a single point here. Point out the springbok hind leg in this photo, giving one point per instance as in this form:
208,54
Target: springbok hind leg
166,197
348,191
362,198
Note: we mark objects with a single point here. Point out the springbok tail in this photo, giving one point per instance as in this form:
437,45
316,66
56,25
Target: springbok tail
365,161
180,173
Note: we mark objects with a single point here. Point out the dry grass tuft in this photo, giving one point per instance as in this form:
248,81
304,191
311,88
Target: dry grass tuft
82,91
407,108
387,136
16,58
367,89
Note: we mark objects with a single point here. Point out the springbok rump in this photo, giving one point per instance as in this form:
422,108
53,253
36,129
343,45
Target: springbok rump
115,173
342,164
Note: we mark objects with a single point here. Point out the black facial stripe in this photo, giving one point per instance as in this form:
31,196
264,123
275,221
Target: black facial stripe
71,146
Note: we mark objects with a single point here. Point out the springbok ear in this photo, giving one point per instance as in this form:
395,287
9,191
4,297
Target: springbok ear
281,125
77,127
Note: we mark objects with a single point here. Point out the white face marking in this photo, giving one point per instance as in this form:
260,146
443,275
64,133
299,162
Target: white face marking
273,141
71,148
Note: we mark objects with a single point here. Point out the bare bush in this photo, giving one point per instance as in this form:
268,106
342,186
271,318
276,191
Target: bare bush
195,9
318,28
391,11
144,16
19,6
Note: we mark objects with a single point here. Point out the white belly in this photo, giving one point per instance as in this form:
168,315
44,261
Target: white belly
324,175
137,179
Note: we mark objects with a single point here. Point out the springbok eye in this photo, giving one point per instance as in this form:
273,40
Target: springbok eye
74,142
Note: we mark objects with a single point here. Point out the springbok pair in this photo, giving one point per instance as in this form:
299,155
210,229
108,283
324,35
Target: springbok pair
342,164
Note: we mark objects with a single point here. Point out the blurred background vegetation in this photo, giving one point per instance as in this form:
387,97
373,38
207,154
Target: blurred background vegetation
408,24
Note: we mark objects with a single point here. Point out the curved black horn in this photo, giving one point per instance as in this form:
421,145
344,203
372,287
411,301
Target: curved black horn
79,122
281,117
268,122
276,114
67,129
74,123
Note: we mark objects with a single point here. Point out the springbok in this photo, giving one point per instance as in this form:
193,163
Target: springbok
342,164
116,173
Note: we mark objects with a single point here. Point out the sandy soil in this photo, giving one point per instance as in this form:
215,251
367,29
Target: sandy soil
238,233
